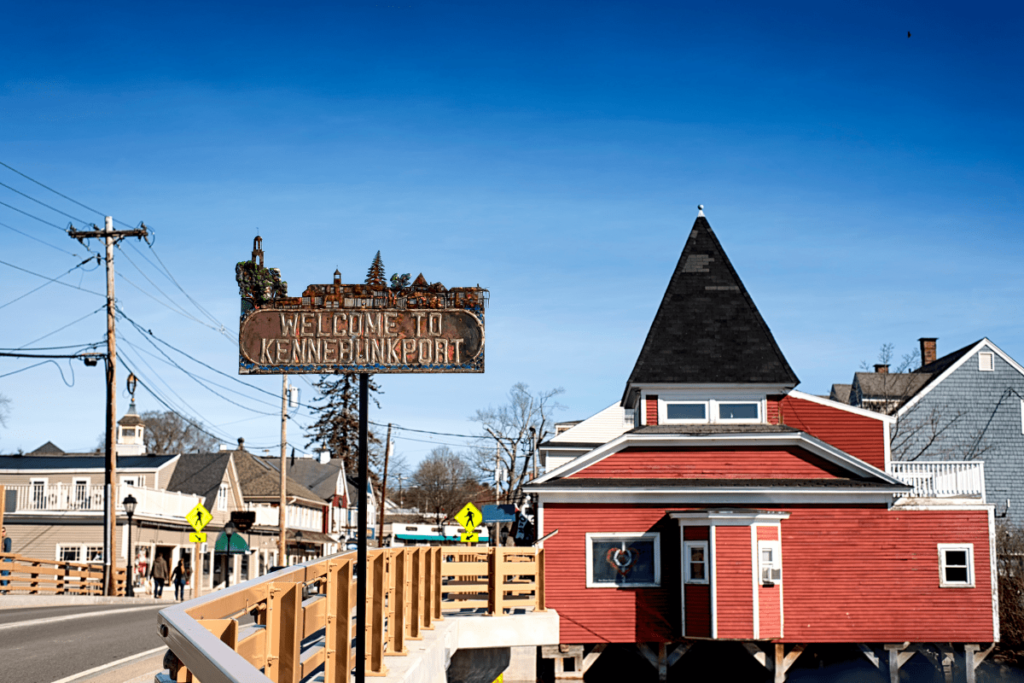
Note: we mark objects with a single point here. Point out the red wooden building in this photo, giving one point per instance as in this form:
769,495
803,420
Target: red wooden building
737,508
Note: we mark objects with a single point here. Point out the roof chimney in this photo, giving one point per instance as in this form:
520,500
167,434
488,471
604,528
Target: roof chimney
928,353
881,369
241,444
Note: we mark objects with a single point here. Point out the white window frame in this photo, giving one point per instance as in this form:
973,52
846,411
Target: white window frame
136,480
624,535
990,357
86,554
32,492
943,548
687,545
776,563
222,497
738,420
73,498
683,421
61,547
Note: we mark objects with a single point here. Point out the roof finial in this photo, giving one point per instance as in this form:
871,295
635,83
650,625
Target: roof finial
700,210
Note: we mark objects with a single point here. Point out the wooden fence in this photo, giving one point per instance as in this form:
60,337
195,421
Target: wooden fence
29,575
291,623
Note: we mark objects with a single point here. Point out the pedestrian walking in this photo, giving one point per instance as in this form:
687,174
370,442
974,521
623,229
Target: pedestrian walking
159,575
178,579
5,546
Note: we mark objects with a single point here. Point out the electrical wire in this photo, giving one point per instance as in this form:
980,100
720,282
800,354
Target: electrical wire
8,166
56,348
41,220
33,237
30,198
59,369
173,303
63,327
47,284
25,270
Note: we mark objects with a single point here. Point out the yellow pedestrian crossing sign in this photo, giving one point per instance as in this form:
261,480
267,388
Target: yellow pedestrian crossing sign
197,537
469,537
199,517
469,517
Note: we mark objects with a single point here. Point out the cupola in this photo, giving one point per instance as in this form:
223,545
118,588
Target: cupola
130,430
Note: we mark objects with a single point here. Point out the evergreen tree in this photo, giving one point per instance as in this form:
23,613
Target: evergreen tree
337,426
376,274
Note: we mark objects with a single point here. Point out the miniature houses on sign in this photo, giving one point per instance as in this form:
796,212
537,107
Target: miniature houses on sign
738,508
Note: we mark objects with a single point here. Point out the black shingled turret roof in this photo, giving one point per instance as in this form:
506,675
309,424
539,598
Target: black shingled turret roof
708,330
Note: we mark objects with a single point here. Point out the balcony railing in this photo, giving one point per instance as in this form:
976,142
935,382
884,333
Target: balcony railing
267,516
286,625
942,479
82,498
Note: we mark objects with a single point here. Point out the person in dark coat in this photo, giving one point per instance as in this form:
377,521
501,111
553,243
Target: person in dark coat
178,579
5,547
159,575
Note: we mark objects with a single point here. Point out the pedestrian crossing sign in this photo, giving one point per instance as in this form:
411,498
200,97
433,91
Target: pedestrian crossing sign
469,517
469,537
199,517
197,537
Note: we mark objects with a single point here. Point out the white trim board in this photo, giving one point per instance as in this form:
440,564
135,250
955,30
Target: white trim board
766,497
800,439
953,368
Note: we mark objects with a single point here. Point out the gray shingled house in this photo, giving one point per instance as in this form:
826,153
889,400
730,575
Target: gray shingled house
966,407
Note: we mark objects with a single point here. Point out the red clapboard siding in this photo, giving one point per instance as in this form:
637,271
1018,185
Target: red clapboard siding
849,574
870,575
862,437
735,589
769,604
698,596
652,410
770,462
772,410
612,615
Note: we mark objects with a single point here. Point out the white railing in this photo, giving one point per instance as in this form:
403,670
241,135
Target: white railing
942,479
298,517
81,498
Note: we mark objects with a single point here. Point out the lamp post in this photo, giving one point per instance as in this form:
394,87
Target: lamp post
229,529
298,542
129,508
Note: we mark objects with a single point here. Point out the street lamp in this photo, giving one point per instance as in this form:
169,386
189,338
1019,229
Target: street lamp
229,529
129,508
298,543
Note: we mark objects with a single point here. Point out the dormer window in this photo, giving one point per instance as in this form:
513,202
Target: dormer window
728,412
686,411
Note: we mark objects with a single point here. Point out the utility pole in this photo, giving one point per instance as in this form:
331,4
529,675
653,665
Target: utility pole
384,487
282,542
110,236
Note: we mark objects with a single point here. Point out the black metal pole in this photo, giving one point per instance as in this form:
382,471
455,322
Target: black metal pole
361,553
131,561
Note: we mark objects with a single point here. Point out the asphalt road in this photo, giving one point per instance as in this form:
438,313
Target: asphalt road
43,653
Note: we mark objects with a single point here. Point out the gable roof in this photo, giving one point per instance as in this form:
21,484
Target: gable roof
840,393
707,329
596,429
48,448
258,479
890,385
199,473
321,479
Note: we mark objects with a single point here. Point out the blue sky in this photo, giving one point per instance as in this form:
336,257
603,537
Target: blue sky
866,185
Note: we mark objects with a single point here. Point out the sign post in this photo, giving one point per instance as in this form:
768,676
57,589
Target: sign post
367,328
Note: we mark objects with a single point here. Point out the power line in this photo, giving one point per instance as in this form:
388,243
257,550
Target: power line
51,189
64,326
33,237
41,220
47,284
56,348
25,270
30,198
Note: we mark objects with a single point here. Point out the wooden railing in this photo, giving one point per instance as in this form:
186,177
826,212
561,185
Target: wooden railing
297,621
36,577
942,479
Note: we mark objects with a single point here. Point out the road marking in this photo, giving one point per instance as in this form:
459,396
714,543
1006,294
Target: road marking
111,665
69,617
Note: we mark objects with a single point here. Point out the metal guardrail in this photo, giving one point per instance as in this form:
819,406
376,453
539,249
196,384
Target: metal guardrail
942,479
297,622
33,576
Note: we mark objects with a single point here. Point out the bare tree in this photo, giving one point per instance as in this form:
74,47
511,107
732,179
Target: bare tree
511,432
442,483
167,433
941,428
1010,551
5,410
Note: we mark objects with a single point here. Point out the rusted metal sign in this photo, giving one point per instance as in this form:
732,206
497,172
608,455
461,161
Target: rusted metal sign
357,328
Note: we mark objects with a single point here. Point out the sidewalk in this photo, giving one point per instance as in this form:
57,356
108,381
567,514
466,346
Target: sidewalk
22,601
143,670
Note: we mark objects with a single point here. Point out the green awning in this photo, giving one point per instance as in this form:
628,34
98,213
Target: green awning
238,544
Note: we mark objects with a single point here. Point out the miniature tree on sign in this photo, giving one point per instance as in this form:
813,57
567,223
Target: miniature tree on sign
376,274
